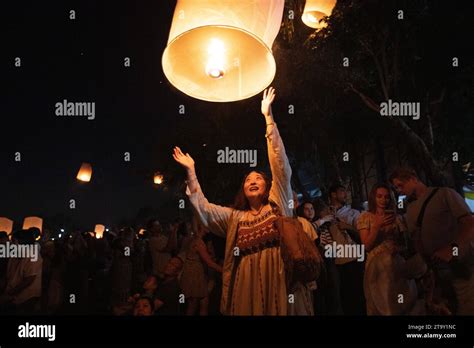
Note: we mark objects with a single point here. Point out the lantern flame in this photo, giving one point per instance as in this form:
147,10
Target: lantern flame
158,179
216,62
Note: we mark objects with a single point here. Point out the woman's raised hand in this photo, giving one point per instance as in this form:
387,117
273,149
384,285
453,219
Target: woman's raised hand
184,159
267,100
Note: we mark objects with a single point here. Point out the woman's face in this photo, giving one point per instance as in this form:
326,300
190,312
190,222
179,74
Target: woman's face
254,186
308,211
142,308
382,198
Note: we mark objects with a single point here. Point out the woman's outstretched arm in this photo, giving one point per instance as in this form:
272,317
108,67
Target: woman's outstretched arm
280,192
213,217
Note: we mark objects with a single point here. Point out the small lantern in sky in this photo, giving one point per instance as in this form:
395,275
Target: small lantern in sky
315,10
6,225
158,179
33,221
221,50
85,172
99,231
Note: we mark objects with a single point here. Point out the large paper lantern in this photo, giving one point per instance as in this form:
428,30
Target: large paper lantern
85,172
315,10
221,50
99,231
33,221
6,225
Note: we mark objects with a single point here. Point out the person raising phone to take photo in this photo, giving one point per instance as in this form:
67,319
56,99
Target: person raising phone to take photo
389,285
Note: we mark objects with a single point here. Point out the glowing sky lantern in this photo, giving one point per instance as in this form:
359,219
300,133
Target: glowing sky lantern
99,231
221,50
158,179
33,221
6,225
315,10
85,172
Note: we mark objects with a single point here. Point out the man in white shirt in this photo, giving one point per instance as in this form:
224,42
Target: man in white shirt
343,212
446,237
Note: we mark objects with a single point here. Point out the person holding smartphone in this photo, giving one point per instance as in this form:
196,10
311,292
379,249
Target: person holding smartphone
389,282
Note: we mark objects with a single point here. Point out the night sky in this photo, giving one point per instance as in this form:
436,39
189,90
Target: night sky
136,111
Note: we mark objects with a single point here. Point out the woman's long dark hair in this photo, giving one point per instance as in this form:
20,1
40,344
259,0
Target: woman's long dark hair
372,194
241,202
300,210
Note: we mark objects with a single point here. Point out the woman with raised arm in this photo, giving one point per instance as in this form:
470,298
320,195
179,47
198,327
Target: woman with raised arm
253,274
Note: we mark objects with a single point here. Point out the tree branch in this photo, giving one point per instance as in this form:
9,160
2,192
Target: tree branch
367,100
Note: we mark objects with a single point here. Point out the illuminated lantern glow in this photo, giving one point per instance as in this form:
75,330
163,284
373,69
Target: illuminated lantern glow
6,225
158,179
221,50
85,172
99,231
315,11
33,221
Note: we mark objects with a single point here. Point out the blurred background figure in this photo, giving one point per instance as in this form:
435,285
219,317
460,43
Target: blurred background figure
22,293
195,276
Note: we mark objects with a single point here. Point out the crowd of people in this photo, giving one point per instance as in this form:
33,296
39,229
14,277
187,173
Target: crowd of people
168,269
375,262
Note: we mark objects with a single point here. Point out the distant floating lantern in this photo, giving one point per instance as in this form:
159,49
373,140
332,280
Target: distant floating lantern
221,50
85,172
33,221
99,231
6,225
158,179
315,11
